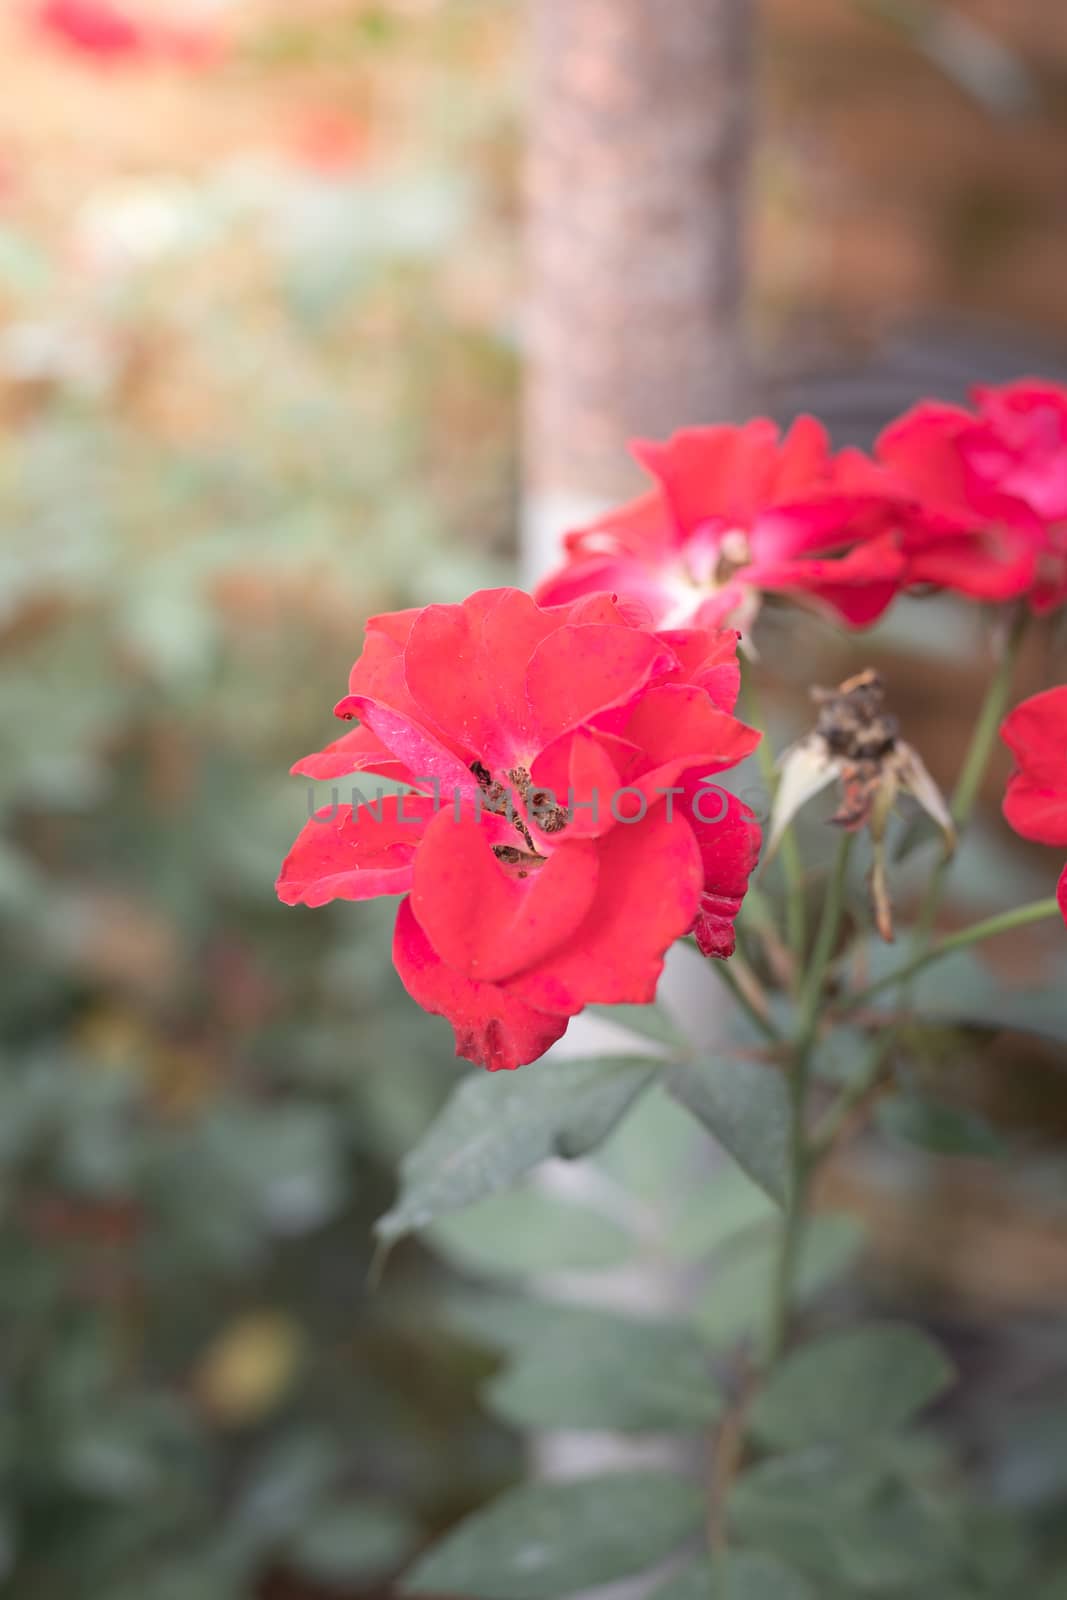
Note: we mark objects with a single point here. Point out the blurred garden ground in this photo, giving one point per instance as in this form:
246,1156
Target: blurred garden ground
260,321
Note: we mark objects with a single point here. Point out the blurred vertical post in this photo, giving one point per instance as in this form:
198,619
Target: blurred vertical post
640,128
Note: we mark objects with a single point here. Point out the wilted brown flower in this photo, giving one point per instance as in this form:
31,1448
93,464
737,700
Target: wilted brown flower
857,744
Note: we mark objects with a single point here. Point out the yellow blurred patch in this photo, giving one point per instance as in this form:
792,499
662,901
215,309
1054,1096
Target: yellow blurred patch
113,1038
248,1369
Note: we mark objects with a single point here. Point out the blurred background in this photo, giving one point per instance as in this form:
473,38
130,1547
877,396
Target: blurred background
263,316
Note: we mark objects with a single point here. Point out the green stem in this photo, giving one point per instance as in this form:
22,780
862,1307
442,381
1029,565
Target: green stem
989,719
789,849
799,1153
977,759
1004,922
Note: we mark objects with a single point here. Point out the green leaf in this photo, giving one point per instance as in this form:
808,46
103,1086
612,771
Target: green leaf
942,1130
746,1107
877,1537
851,1386
527,1230
848,1517
547,1540
595,1370
284,1488
496,1127
812,1482
199,1578
790,1504
736,1298
743,1575
501,1322
962,988
897,1543
737,1209
690,1583
750,1575
360,1539
997,1543
685,1199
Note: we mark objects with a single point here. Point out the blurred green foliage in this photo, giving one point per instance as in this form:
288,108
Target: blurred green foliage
255,408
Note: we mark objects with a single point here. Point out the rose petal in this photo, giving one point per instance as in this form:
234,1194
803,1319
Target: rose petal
676,727
1036,811
492,1026
584,674
648,892
1036,734
722,472
357,751
729,850
341,854
466,668
484,921
708,658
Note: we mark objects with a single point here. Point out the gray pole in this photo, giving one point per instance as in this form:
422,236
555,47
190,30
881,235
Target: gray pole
640,127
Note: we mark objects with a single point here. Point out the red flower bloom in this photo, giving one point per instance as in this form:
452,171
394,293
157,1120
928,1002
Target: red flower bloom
332,143
92,27
991,493
543,865
107,32
737,512
1036,800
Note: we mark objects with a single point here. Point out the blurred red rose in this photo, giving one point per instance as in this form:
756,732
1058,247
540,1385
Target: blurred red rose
332,143
738,512
543,867
92,27
991,489
1036,800
107,32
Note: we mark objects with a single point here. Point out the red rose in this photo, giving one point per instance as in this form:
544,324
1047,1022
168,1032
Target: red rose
991,493
92,27
738,512
107,32
1036,800
543,867
1022,445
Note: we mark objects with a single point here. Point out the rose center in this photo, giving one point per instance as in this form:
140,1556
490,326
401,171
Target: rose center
715,555
540,804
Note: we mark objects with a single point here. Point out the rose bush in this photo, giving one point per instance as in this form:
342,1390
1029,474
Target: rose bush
558,833
559,827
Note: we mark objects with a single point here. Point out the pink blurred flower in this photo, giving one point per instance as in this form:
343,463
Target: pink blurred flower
738,512
330,142
108,33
